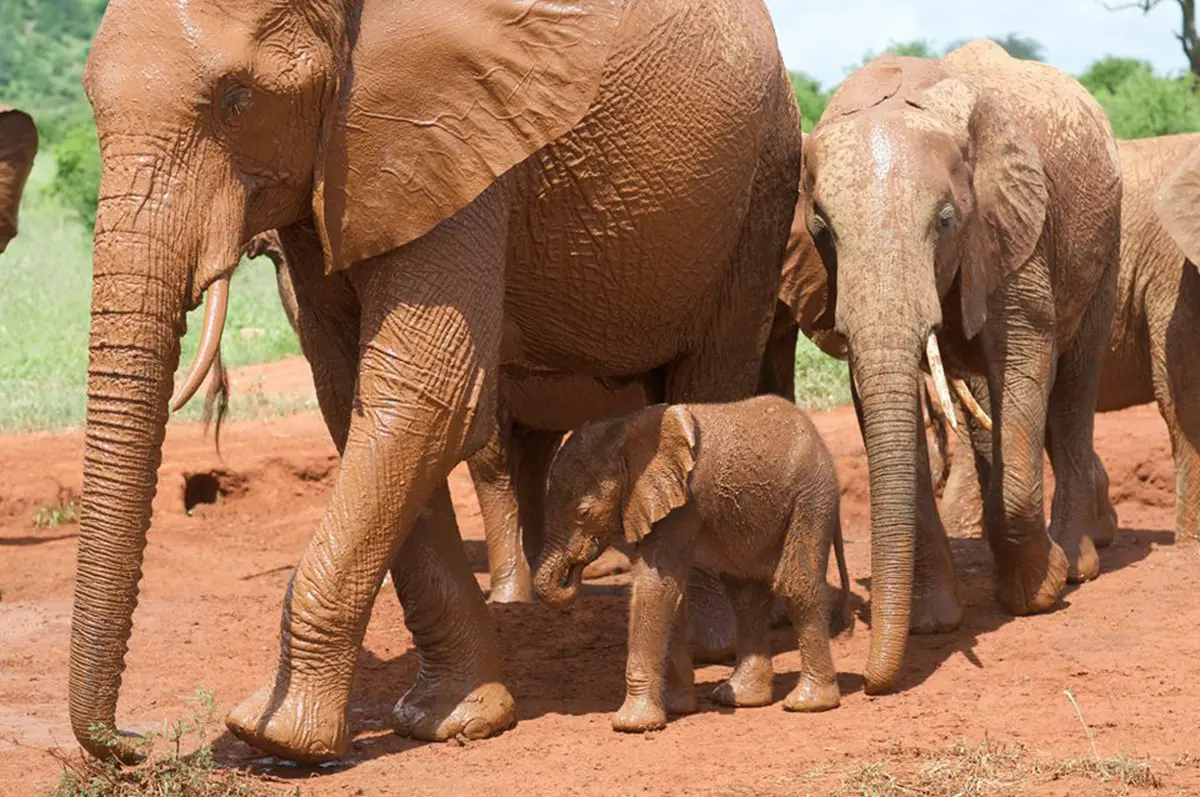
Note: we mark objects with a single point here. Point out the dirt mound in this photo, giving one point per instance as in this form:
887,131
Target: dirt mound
1124,646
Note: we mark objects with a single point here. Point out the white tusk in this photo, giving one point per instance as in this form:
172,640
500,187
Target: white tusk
968,400
215,306
934,355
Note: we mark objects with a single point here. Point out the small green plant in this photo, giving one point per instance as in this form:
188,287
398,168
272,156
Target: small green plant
61,513
178,763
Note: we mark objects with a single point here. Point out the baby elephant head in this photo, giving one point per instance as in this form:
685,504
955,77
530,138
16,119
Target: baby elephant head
612,478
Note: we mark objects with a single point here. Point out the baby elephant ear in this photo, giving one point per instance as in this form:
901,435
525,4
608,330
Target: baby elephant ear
659,453
1177,204
1010,206
439,98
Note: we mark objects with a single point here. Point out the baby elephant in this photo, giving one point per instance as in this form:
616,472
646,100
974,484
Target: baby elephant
746,490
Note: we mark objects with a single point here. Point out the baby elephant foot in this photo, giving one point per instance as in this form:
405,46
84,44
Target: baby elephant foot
746,686
295,722
1022,590
811,695
435,716
639,715
681,700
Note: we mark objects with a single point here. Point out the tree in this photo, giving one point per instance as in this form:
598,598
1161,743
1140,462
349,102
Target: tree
811,98
1110,72
1187,32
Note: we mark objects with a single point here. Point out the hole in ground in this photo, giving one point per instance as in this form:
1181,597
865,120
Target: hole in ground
207,486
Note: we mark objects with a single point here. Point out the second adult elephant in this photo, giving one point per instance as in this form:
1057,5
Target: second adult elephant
966,212
567,198
18,146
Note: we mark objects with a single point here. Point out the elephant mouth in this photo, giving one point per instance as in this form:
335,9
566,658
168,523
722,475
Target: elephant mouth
573,576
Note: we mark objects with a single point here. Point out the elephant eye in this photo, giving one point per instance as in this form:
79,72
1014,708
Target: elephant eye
235,103
946,216
817,224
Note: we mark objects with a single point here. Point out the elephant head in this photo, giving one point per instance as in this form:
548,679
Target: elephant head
219,119
612,479
921,197
18,146
1177,203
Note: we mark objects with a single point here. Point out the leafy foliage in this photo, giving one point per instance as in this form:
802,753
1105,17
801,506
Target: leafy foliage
811,98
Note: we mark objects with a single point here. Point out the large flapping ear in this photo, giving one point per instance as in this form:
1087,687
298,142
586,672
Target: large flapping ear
18,146
659,453
1010,206
1177,203
441,97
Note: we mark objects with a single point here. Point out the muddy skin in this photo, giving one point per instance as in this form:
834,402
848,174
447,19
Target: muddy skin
1149,357
660,479
1003,272
407,274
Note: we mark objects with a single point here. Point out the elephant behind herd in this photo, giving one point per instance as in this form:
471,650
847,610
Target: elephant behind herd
570,226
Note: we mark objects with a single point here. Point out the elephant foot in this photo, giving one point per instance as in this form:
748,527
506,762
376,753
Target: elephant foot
436,715
1106,530
935,610
749,685
681,700
610,562
811,696
295,722
1030,590
1084,565
639,715
512,589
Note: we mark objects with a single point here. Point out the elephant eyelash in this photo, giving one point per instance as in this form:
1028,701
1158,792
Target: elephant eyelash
946,216
234,103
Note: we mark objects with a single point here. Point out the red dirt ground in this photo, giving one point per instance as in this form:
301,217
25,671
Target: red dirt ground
1125,646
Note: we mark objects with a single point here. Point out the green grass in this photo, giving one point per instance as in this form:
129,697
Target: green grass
45,295
822,382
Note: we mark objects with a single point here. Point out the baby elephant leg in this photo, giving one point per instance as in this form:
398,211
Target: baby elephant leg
681,680
800,580
751,680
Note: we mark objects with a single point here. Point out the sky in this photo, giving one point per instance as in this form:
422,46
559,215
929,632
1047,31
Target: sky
825,38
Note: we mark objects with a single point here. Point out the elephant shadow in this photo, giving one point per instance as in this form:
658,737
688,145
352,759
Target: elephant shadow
925,653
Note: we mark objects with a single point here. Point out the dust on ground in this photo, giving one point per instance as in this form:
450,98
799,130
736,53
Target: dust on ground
1125,646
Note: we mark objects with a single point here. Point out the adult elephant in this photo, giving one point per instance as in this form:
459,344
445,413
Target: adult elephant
1151,353
18,146
967,212
590,188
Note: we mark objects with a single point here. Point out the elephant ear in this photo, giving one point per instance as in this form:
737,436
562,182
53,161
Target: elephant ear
18,146
659,452
1177,204
438,98
1010,206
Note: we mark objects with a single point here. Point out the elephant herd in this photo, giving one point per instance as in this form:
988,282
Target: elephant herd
500,224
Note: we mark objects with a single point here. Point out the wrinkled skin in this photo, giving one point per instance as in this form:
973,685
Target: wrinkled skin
509,472
18,146
976,199
661,479
1150,356
580,207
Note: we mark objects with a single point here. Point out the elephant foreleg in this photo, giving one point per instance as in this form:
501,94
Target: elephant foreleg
424,399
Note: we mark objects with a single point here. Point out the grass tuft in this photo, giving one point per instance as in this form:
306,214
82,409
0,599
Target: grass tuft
179,763
988,770
61,513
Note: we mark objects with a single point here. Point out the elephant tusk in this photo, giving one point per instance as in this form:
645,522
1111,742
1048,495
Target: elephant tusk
934,355
216,303
968,399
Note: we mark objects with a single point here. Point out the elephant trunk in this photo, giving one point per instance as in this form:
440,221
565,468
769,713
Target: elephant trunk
137,320
558,578
886,367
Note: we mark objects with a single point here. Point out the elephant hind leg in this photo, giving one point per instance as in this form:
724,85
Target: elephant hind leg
1176,379
750,683
495,489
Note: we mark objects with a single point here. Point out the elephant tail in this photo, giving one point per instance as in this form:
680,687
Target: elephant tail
843,618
